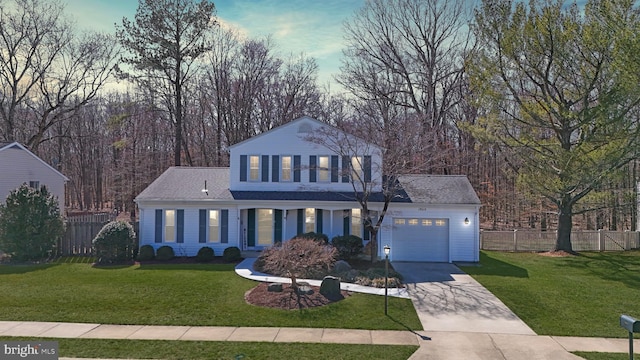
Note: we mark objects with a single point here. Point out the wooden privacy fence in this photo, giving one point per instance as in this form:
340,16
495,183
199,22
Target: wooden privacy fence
78,237
530,240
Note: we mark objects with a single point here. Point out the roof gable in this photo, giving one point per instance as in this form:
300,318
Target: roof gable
303,126
17,145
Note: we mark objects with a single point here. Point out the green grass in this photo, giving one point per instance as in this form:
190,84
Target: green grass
195,350
574,296
189,294
603,356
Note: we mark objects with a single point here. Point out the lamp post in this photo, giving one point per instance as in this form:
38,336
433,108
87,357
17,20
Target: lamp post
387,250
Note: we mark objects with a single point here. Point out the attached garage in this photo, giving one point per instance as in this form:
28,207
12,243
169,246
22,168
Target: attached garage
420,239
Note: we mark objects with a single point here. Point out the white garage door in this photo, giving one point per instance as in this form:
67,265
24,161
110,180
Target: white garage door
418,239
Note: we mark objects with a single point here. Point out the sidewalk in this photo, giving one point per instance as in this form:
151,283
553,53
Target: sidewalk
433,345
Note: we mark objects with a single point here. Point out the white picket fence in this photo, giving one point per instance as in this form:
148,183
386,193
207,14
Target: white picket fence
582,240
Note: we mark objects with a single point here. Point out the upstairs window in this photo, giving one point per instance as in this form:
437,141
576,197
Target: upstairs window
356,168
34,184
323,168
254,168
286,168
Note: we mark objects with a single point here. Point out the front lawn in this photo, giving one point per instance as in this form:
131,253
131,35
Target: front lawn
176,294
572,296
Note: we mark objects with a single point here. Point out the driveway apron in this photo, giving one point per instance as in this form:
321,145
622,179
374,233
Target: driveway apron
447,299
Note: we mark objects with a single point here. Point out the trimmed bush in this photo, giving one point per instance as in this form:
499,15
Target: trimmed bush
232,254
205,254
319,237
165,253
348,246
146,253
115,243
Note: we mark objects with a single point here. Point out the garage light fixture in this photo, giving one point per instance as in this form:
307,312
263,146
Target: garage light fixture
466,221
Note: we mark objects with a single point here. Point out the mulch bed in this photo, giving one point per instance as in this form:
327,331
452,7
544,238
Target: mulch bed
556,254
287,299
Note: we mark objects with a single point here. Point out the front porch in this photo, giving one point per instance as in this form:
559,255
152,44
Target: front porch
261,228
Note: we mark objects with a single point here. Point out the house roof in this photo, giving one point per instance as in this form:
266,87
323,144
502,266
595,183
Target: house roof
439,189
17,145
187,183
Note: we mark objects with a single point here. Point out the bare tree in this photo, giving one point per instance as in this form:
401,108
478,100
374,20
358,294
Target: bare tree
409,54
47,71
164,42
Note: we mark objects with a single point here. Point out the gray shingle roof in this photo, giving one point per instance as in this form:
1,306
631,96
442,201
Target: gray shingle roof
439,189
186,183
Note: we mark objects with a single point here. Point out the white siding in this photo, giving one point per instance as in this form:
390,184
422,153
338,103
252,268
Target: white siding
19,166
463,239
287,140
191,243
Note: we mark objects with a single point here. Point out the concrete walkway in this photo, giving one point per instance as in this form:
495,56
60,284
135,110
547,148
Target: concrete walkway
433,344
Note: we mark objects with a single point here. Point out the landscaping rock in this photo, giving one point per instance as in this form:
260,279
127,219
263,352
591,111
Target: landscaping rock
330,287
341,266
274,287
304,288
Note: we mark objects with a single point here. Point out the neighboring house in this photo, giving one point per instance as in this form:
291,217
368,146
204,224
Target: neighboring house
20,166
280,184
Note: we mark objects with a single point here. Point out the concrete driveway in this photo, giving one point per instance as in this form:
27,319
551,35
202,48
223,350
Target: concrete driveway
447,299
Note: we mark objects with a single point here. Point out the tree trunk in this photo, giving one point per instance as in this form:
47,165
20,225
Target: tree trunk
563,240
374,244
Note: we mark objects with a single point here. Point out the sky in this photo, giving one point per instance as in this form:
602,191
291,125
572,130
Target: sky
296,26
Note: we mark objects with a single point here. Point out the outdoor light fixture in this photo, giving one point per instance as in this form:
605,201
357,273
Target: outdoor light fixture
205,190
387,250
466,221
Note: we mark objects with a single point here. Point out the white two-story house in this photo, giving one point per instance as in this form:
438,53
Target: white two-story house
281,184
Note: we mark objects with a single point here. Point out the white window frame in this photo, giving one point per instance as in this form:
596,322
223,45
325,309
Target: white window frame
286,173
252,168
356,168
213,226
323,169
170,225
34,184
264,227
309,220
356,222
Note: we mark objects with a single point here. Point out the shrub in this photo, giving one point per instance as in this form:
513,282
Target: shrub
146,253
114,243
205,254
30,224
231,254
347,246
297,258
319,237
165,253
